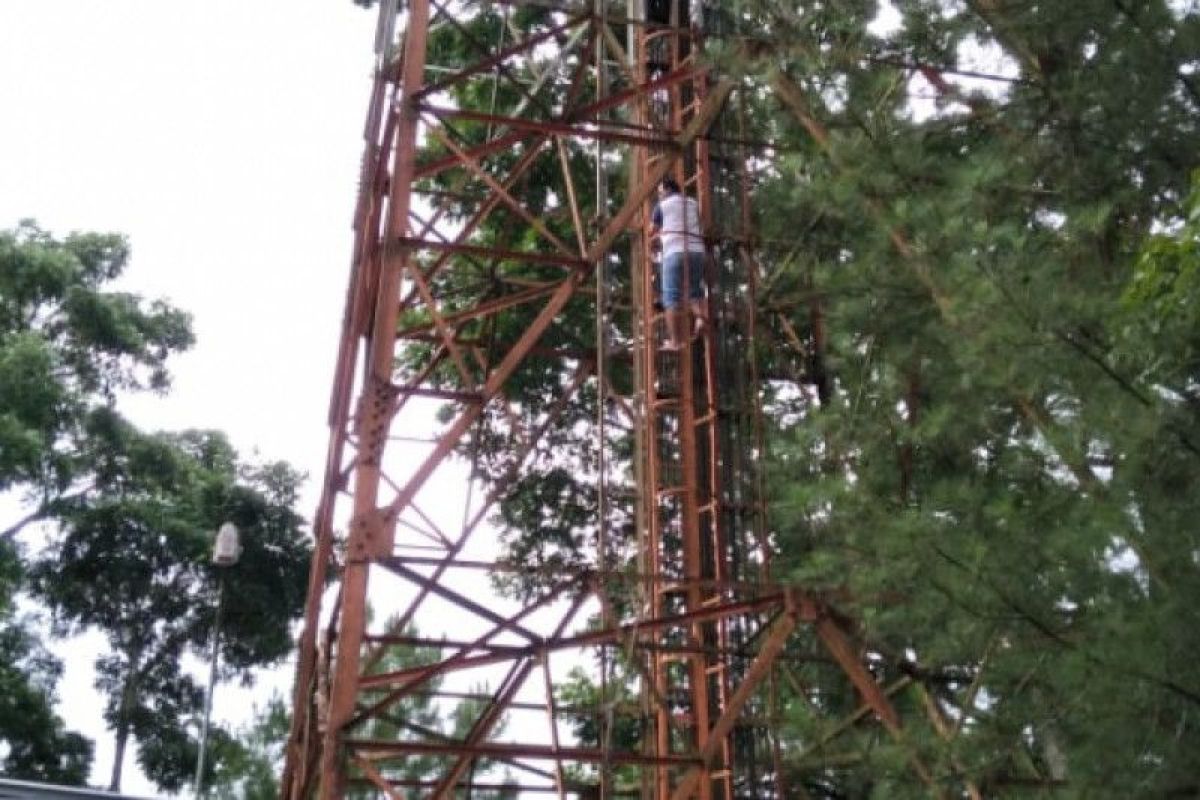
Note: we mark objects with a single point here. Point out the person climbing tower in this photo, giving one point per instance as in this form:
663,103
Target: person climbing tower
676,223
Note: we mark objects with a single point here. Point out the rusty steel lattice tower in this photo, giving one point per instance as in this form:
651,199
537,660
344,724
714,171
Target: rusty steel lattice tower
503,279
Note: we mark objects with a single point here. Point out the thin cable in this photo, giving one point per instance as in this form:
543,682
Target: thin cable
602,303
496,74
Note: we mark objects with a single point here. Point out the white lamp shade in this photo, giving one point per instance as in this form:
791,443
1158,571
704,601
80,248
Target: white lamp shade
227,548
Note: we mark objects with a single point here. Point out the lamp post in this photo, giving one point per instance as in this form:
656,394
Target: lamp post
226,550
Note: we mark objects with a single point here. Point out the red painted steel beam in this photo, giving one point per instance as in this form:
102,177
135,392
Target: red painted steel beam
422,674
724,725
583,790
518,650
500,144
504,483
379,360
501,56
485,308
391,263
377,750
504,370
588,573
439,394
588,639
404,243
492,715
584,129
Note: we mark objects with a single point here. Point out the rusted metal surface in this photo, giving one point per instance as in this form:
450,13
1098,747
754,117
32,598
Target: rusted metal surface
459,288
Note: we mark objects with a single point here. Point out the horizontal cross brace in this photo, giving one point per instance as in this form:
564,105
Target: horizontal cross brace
589,129
589,639
377,750
489,252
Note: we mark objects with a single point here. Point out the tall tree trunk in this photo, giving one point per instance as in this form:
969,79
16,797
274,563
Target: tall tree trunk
114,785
126,711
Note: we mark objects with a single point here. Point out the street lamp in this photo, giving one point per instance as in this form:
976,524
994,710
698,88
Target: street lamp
226,550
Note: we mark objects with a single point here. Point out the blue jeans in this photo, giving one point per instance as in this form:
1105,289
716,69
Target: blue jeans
672,277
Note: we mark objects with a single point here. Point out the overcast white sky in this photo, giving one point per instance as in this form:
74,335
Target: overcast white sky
223,137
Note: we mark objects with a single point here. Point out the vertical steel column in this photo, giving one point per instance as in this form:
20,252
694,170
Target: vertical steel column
371,533
685,537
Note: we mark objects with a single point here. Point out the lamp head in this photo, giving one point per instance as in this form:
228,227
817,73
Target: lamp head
227,549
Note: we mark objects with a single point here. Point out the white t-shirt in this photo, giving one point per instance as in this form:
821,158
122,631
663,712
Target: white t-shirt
678,221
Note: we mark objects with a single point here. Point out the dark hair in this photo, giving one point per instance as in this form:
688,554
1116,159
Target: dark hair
670,185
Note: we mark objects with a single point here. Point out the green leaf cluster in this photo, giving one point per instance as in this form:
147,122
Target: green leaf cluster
132,560
68,342
993,487
133,516
36,742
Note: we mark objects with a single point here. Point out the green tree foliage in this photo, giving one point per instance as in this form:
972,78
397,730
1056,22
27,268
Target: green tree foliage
1161,310
68,342
132,560
611,721
34,740
248,767
996,481
414,716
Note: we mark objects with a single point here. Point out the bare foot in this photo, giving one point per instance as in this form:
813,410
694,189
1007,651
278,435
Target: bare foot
669,347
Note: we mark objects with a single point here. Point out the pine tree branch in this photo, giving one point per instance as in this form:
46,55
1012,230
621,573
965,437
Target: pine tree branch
44,511
1124,383
928,69
989,12
1063,335
40,513
1065,642
976,683
793,98
1072,341
1188,85
944,731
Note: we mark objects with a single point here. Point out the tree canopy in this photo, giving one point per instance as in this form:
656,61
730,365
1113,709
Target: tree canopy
33,737
69,343
996,479
131,517
134,562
